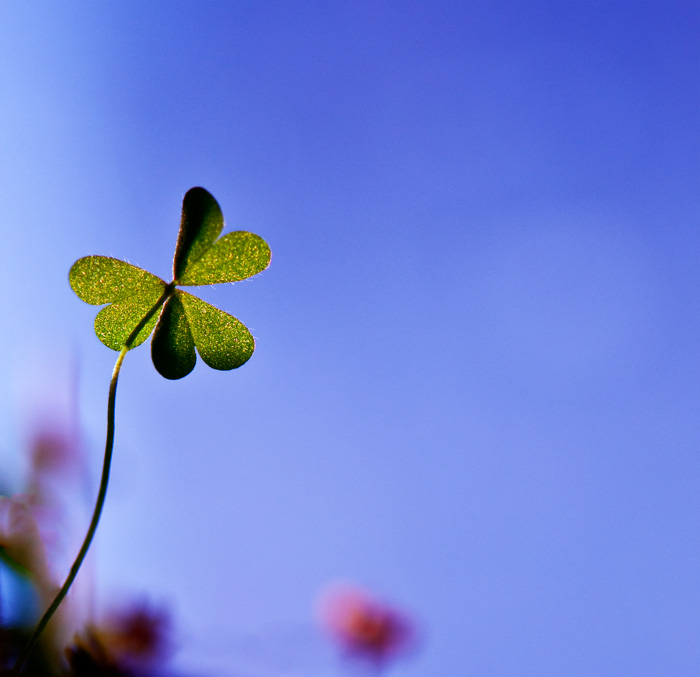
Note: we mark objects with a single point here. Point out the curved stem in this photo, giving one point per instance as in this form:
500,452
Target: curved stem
109,445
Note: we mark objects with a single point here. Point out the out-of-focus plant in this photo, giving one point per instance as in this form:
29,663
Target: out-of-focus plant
36,530
132,640
366,628
34,526
138,302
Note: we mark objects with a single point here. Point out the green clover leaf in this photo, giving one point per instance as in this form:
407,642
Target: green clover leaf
134,296
138,303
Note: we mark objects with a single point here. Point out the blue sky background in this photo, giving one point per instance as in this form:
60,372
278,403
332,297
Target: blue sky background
477,377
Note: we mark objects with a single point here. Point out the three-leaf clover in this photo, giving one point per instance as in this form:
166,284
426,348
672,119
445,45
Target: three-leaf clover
185,322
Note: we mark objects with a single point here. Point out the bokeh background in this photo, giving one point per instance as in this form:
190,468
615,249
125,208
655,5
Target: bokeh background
477,377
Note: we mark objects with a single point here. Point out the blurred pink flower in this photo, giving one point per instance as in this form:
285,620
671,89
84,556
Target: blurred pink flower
21,540
53,450
364,626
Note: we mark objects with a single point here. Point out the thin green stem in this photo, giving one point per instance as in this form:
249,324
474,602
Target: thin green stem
102,493
93,523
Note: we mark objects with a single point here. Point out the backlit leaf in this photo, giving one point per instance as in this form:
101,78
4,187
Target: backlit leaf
114,324
222,341
172,347
102,279
201,223
186,325
233,257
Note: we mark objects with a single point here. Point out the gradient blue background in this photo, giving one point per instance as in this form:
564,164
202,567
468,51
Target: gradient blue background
477,379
